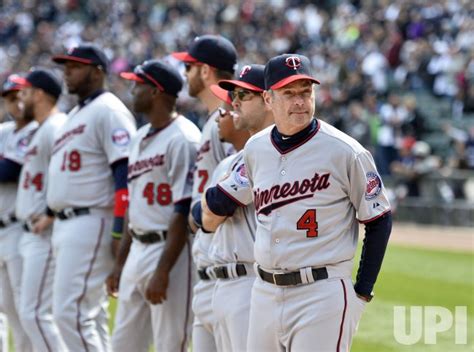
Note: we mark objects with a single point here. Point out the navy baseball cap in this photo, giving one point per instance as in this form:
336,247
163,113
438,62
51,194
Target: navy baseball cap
284,69
10,85
214,50
158,74
222,94
42,79
88,54
251,77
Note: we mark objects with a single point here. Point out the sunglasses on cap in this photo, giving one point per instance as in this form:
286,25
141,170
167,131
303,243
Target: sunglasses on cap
243,95
140,72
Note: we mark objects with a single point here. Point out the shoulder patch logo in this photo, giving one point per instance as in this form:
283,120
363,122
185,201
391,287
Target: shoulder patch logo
120,137
373,185
240,175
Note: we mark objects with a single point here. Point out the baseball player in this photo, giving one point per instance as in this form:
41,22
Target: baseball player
88,169
209,59
154,263
311,185
232,245
40,92
14,139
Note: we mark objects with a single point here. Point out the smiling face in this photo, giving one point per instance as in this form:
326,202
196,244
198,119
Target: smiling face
293,106
224,123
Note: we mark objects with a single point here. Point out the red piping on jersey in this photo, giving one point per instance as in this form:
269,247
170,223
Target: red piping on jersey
232,198
86,278
341,328
40,293
375,218
298,145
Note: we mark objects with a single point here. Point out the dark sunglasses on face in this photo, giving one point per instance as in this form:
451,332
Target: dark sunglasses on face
243,95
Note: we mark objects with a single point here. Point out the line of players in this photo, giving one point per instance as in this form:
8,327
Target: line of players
98,201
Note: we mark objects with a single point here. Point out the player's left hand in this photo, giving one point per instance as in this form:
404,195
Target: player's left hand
42,223
156,290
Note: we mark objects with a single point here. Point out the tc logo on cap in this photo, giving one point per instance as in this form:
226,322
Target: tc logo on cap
293,62
71,50
246,69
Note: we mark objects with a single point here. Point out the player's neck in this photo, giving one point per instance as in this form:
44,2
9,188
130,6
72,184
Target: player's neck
239,140
268,121
43,112
160,118
210,101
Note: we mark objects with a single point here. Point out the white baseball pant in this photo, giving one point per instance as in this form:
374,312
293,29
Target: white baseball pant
10,281
82,249
204,321
138,323
317,317
231,307
36,312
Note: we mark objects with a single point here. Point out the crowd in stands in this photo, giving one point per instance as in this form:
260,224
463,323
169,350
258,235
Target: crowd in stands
372,57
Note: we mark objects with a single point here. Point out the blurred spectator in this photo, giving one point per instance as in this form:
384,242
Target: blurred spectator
414,163
414,123
355,124
392,114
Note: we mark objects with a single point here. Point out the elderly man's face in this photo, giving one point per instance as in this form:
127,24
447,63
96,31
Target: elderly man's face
293,106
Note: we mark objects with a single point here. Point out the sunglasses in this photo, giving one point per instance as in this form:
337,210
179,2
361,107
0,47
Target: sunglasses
243,95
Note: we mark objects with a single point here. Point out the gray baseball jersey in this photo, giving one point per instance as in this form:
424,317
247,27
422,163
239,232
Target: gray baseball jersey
13,146
160,172
93,137
306,211
31,197
234,239
211,152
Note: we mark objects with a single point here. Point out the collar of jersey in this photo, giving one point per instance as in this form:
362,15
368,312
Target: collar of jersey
91,97
285,144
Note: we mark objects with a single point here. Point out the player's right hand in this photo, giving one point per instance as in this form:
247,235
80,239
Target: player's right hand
112,282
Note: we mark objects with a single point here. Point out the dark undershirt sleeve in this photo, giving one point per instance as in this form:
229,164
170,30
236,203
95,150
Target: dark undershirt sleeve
9,171
377,233
219,202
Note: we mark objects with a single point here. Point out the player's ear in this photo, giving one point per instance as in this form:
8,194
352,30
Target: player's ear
205,71
267,97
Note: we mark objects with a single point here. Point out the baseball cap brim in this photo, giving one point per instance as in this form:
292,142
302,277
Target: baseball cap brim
184,56
21,81
61,59
132,77
222,94
291,79
231,84
12,89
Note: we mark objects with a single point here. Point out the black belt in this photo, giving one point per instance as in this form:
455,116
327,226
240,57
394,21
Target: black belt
12,219
149,237
291,279
27,227
203,274
222,272
69,213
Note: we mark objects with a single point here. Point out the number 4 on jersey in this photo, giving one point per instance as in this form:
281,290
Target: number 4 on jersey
308,222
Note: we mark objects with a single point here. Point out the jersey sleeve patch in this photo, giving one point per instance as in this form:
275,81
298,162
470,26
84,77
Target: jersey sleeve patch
120,137
240,176
373,185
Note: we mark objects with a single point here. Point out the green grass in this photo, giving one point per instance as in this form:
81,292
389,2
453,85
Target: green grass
417,277
413,277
